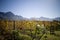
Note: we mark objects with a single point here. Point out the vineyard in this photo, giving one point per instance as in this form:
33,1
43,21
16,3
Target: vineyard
29,30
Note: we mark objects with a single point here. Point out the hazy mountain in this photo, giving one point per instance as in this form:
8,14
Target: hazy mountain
11,16
45,19
33,18
57,18
41,19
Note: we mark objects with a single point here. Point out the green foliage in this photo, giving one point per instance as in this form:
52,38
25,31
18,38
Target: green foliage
18,36
27,30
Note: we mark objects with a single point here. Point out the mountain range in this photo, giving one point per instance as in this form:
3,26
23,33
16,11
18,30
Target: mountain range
11,16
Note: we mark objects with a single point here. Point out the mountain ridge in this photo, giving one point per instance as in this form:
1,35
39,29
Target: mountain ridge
11,16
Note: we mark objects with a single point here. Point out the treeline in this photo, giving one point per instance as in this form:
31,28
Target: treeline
24,24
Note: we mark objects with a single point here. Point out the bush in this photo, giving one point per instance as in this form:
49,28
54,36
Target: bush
19,36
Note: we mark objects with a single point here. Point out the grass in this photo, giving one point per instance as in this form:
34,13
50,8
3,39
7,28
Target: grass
56,36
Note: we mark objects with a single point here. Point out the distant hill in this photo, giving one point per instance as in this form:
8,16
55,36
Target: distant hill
41,19
11,16
57,18
46,19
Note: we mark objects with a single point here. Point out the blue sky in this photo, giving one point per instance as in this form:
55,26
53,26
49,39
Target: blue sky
32,8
